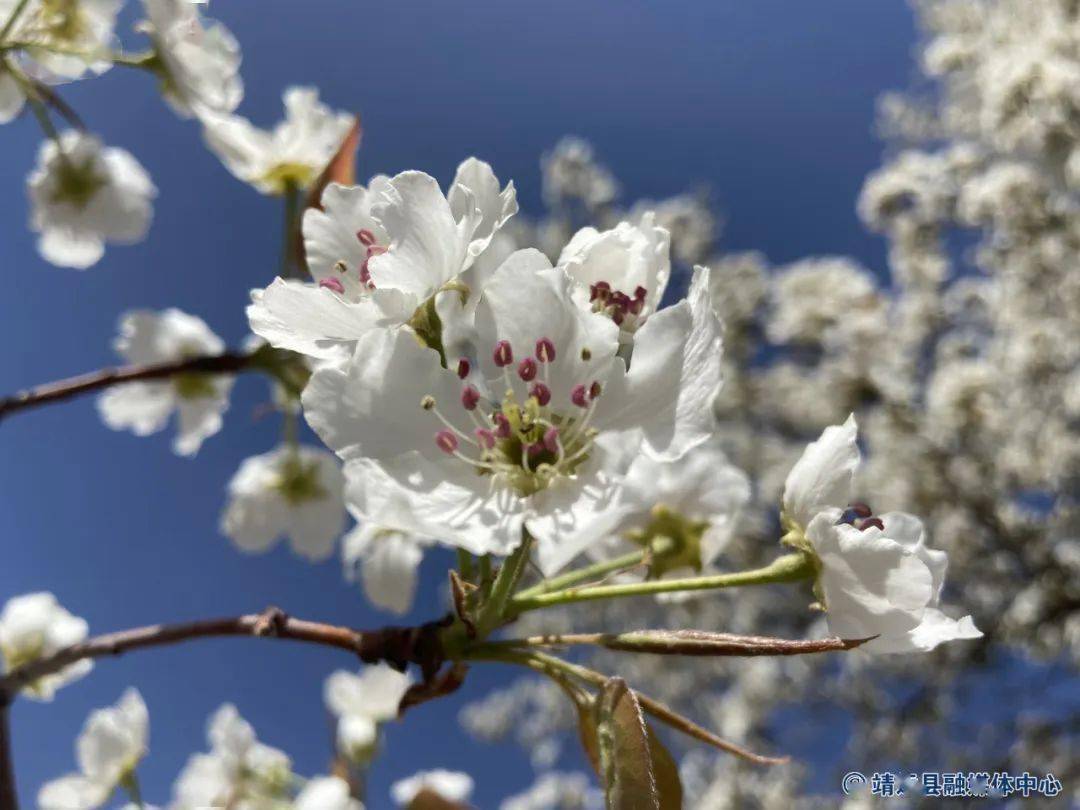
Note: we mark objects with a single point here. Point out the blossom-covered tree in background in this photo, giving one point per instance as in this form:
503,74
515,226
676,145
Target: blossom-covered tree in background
533,394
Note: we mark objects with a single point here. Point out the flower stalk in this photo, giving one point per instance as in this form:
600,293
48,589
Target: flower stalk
789,568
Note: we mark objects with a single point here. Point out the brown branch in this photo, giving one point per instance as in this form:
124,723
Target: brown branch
399,646
227,363
9,797
389,644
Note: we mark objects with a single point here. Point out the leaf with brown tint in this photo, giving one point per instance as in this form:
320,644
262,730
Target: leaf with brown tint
341,169
626,764
702,643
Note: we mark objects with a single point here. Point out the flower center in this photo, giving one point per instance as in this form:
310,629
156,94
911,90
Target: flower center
673,539
861,516
61,20
76,183
283,176
526,440
617,305
299,482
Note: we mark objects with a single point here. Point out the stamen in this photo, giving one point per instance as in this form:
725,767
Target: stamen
463,367
594,390
861,509
640,293
332,284
503,354
545,350
871,521
446,441
470,397
341,267
579,396
376,250
366,237
485,438
541,392
502,425
551,439
527,369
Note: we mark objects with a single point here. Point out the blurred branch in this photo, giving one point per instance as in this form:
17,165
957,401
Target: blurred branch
9,798
229,362
399,646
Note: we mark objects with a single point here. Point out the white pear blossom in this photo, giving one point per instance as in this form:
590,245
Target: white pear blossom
361,703
238,768
35,626
378,254
326,793
622,272
572,174
112,743
385,561
557,791
83,195
875,575
535,427
12,98
292,155
452,786
685,510
62,39
148,337
292,491
199,60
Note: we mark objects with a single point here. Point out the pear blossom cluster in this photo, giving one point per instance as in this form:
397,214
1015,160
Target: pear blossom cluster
961,375
84,194
494,384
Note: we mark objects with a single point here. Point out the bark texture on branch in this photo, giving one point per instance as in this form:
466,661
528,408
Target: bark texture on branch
228,363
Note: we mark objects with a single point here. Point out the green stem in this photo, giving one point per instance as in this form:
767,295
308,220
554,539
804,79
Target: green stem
130,783
789,568
494,610
585,574
465,565
292,209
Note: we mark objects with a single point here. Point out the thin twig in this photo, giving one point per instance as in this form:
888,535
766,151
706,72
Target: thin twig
271,623
230,362
9,797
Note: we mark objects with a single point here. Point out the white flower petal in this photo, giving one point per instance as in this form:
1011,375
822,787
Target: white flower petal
674,376
428,247
326,793
453,786
824,476
12,98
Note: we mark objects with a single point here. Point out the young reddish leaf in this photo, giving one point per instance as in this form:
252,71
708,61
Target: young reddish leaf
341,168
626,762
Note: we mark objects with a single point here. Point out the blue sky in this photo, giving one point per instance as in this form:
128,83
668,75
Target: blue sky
770,104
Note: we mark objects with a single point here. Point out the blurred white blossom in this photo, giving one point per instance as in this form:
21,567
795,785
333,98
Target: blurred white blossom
35,626
293,492
112,743
147,337
83,195
292,155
